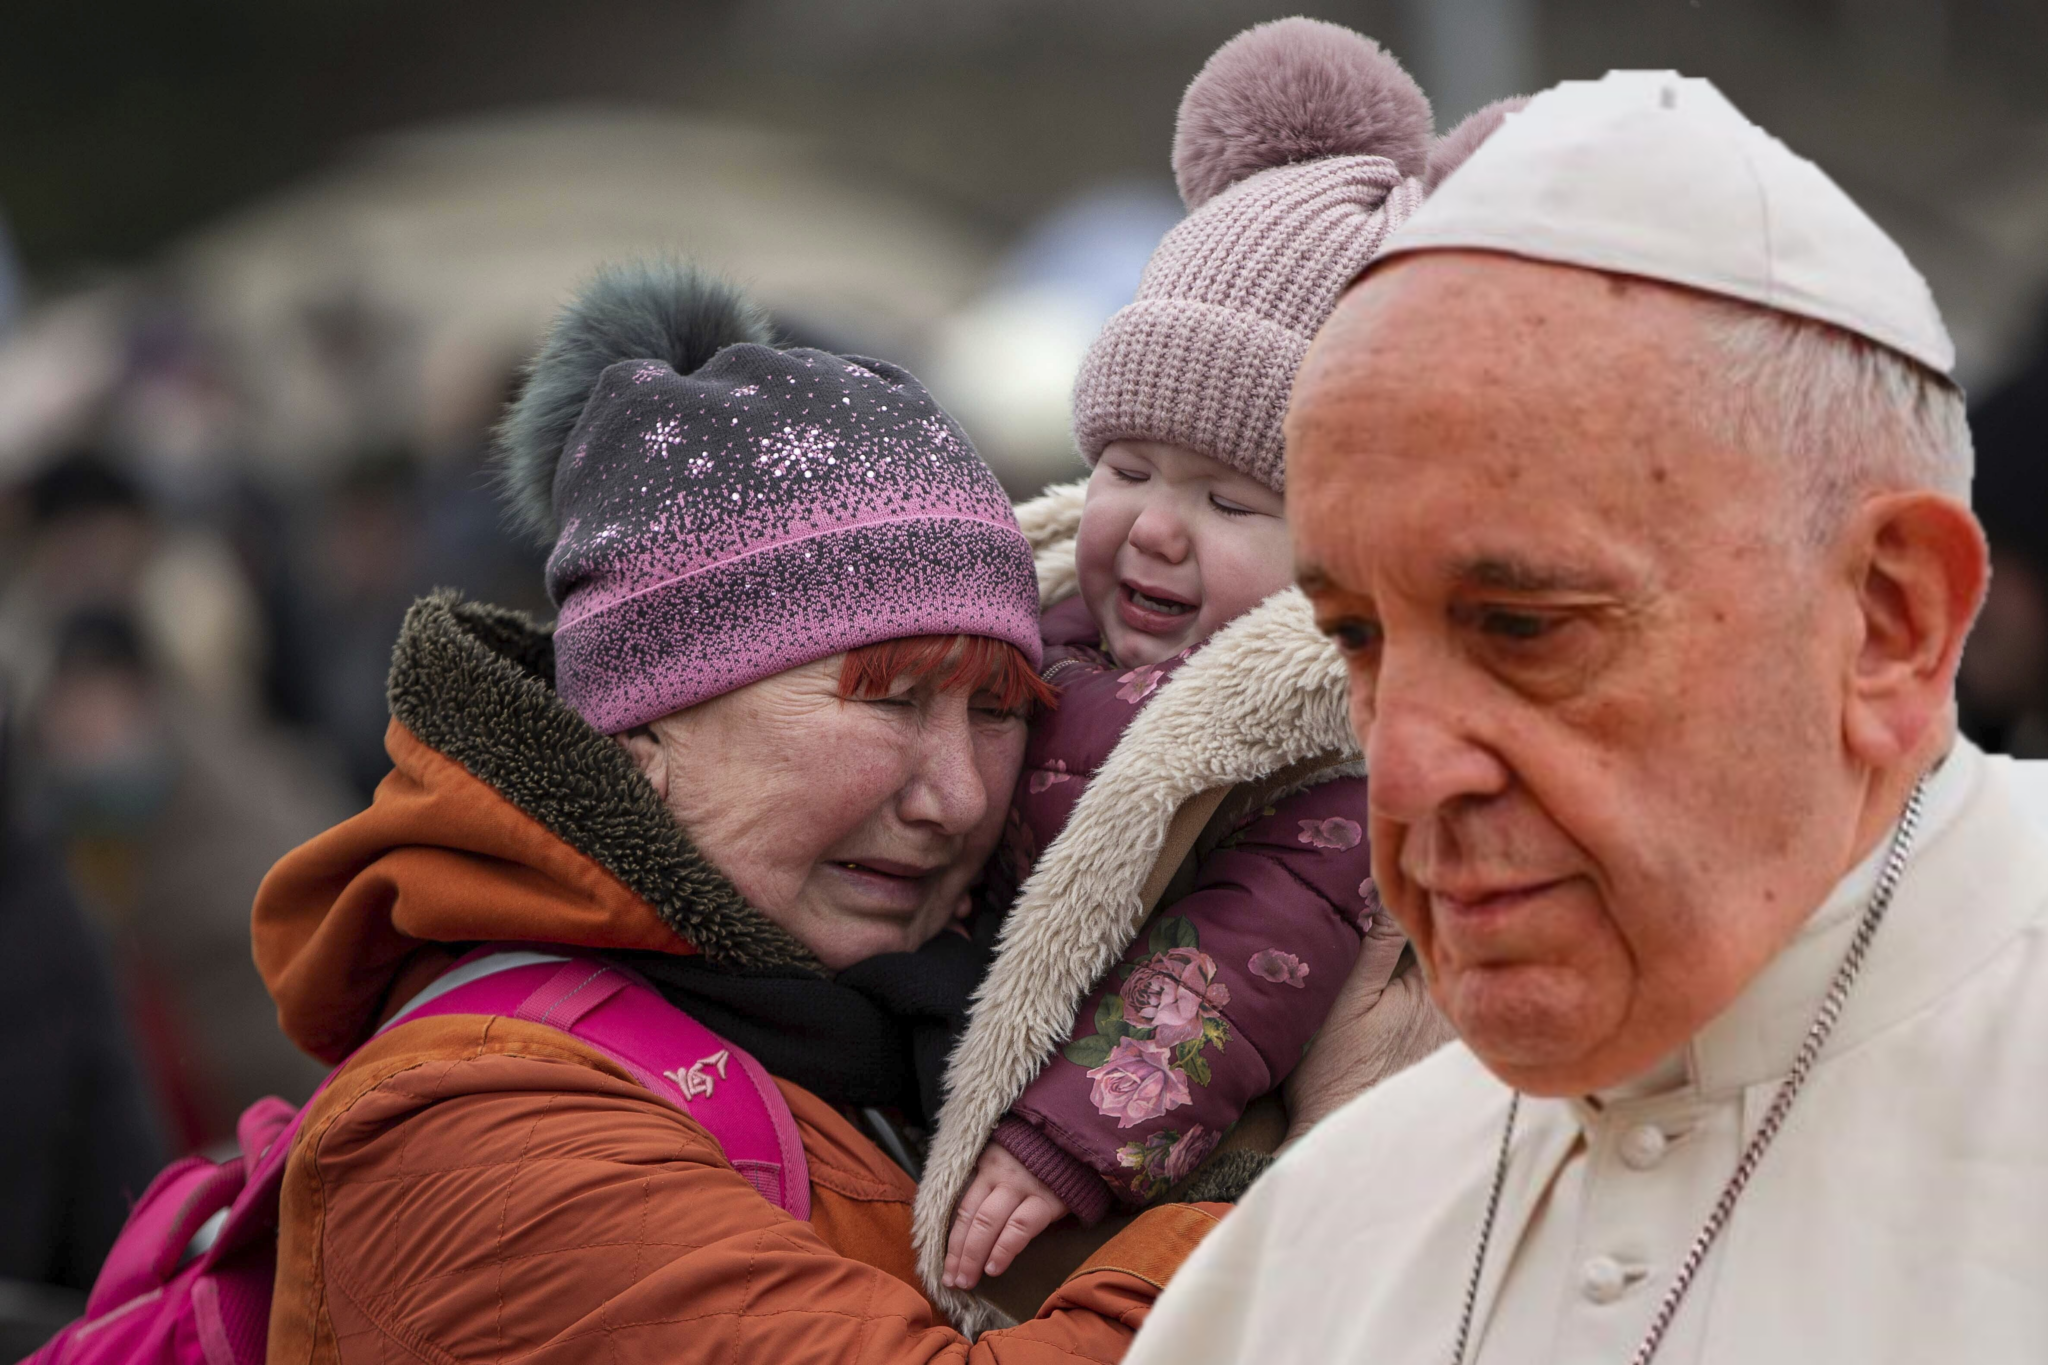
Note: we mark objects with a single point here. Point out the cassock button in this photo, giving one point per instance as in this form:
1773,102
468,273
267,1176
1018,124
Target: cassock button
1643,1146
1603,1279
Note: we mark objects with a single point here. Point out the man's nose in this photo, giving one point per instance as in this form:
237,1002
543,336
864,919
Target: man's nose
1160,532
946,789
1426,744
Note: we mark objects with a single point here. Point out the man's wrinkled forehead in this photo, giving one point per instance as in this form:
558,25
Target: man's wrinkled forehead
1455,330
1515,571
1469,296
1457,392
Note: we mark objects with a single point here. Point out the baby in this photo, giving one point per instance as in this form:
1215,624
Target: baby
1181,537
1221,995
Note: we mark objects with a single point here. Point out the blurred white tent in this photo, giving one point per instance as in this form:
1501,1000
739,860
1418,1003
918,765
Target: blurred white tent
55,368
436,258
1005,364
387,298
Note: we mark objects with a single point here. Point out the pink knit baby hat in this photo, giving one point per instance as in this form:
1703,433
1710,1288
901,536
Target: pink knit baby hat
723,509
1298,149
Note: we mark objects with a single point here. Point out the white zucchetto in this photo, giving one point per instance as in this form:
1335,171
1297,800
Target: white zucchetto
1655,174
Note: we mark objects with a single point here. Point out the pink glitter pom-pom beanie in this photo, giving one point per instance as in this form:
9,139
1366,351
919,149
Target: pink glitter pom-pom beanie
1298,148
722,510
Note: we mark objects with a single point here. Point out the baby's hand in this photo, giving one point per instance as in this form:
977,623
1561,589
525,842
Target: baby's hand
1004,1208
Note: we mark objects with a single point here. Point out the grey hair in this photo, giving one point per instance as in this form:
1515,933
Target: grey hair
1851,417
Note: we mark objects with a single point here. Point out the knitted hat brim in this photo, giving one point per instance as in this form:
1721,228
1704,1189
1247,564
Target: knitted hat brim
699,635
1212,379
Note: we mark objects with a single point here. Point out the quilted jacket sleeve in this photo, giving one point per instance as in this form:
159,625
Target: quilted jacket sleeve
499,1200
1213,1005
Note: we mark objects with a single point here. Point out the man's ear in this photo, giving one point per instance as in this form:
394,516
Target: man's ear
648,755
1919,565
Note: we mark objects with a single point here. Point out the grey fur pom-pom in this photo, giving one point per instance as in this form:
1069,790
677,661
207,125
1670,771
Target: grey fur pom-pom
648,310
1295,90
1224,1178
1453,148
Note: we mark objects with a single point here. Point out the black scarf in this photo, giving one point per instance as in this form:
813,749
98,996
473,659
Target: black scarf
878,1033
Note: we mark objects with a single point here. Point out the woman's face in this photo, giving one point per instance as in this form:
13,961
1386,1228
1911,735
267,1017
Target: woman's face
856,825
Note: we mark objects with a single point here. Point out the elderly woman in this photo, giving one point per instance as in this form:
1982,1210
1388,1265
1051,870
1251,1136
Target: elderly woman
762,758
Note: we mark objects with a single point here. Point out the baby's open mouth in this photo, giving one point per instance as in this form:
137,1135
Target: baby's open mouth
1165,606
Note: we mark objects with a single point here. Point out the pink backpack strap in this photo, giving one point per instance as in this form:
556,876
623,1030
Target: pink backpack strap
615,1011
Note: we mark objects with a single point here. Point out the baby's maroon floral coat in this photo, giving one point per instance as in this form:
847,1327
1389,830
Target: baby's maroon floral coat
1215,1003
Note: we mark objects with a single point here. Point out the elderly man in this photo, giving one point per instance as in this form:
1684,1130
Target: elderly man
1633,487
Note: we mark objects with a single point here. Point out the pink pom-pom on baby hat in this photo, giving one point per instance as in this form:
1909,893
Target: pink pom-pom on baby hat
1299,147
1295,90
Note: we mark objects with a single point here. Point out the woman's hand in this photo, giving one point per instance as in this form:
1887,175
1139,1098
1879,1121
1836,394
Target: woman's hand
1004,1208
1383,1022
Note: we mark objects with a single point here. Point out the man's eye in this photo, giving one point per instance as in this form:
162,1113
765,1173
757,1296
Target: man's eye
1516,625
1354,636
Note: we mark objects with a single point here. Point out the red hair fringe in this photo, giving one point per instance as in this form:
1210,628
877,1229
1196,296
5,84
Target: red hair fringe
971,663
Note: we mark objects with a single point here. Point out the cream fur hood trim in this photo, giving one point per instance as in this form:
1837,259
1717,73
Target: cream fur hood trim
1050,522
1265,692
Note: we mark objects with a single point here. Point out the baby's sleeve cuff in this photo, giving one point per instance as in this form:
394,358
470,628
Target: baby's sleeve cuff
1080,1185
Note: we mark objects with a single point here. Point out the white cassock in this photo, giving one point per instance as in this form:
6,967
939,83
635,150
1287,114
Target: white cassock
1901,1216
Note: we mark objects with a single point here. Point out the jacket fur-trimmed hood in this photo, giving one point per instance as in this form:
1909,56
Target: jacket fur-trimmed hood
1266,692
506,816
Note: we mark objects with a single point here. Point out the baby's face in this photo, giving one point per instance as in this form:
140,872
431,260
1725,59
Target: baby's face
1175,545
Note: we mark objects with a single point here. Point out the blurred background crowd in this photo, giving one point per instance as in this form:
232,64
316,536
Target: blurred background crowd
269,268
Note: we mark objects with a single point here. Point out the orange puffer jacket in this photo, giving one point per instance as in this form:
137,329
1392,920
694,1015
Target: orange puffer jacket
472,1187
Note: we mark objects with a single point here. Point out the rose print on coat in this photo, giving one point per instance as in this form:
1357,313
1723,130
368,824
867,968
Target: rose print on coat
1143,681
1333,833
1147,1161
1165,1157
1173,993
1050,776
1140,683
1170,1000
1137,1081
1188,1150
1285,969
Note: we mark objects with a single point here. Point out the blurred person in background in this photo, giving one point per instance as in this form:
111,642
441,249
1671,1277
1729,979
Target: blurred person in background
78,1135
92,535
169,820
86,538
391,527
168,796
360,568
103,771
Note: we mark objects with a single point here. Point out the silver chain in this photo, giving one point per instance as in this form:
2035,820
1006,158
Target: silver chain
1500,1179
1774,1117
